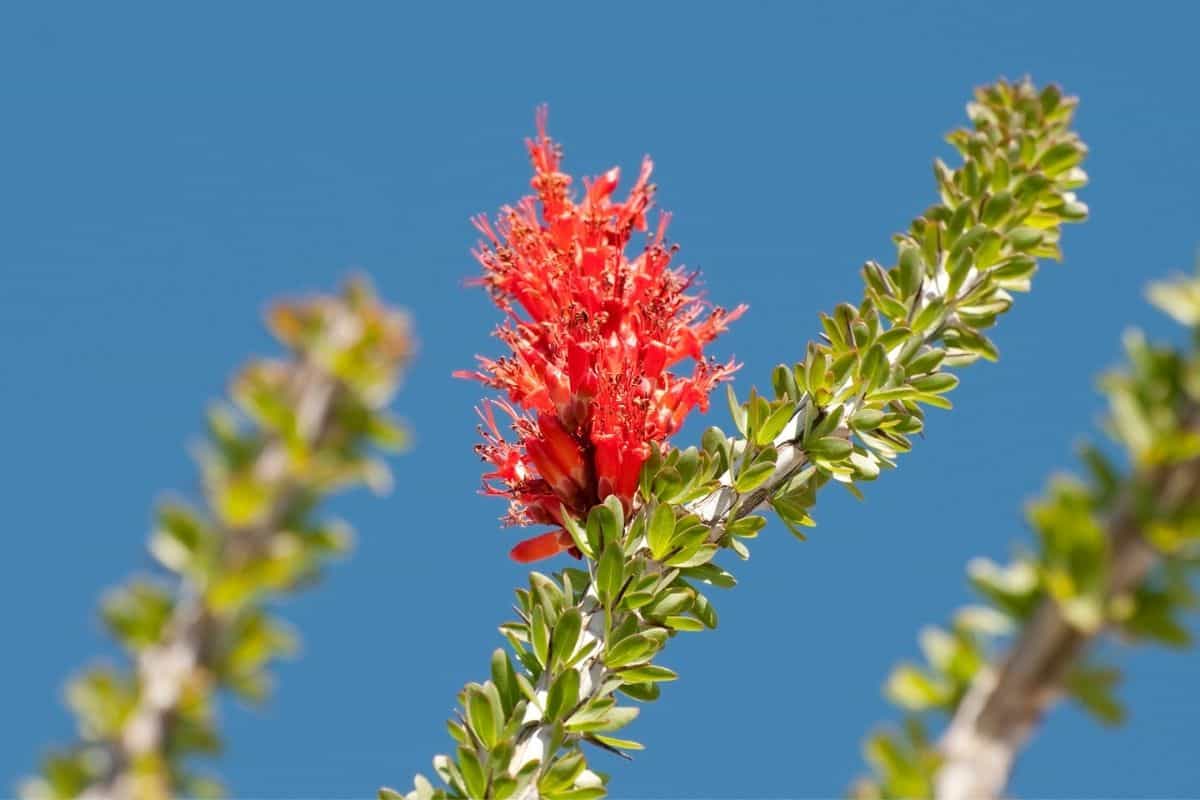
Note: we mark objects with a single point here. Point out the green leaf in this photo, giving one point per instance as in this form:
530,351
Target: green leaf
912,689
548,595
1092,687
472,772
1060,158
931,313
739,548
582,793
184,541
893,394
874,367
783,380
701,555
774,424
792,508
704,611
647,673
690,532
1025,238
102,698
670,602
579,534
892,308
602,524
681,623
631,650
687,463
911,269
927,361
829,448
505,679
667,484
566,636
481,715
527,688
539,634
635,600
563,695
815,368
609,720
138,614
643,692
935,400
715,442
610,572
562,774
937,383
616,517
1017,268
998,205
736,410
754,476
975,342
747,526
867,419
660,530
620,744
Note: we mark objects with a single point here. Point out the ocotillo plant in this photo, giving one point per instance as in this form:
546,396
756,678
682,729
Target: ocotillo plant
594,335
1114,556
297,429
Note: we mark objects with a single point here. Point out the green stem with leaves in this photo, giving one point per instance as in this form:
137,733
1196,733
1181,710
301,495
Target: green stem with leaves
844,412
298,430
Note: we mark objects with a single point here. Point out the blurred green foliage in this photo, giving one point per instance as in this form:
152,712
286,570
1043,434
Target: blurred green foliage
1154,417
296,429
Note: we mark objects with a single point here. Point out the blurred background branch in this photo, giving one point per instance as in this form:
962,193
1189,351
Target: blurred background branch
1115,558
297,429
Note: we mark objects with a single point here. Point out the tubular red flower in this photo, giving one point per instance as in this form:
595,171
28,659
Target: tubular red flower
594,336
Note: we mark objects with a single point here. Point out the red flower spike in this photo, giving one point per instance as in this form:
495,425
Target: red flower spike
594,335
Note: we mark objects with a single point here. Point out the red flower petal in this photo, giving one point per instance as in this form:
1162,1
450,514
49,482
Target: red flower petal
594,335
538,547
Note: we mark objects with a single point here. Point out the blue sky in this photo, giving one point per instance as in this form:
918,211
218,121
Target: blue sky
166,169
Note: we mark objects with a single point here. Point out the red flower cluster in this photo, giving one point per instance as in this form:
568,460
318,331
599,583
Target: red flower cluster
593,335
